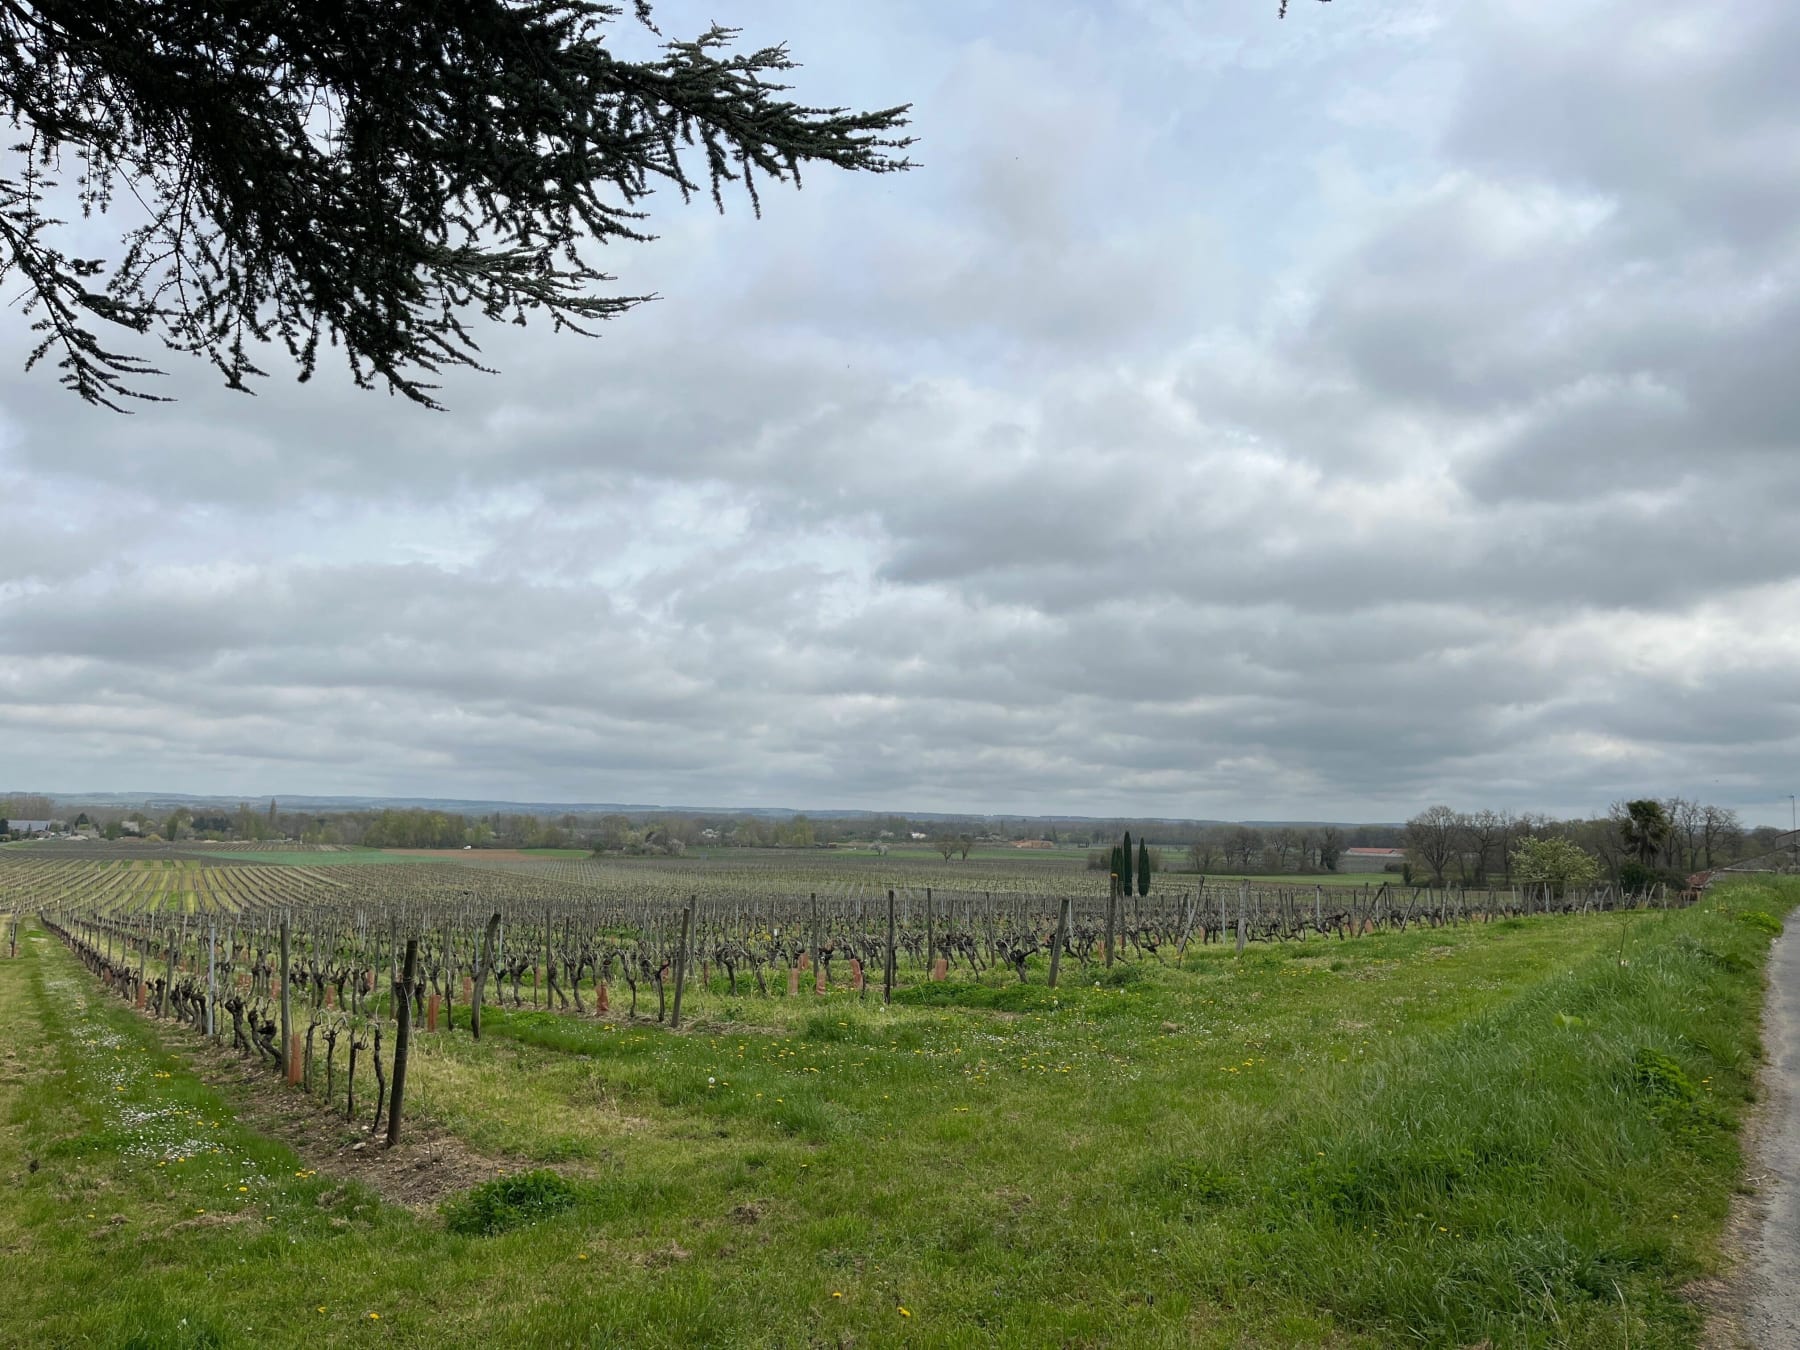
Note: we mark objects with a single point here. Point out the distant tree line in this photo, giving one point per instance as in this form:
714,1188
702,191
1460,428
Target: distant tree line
1634,843
1637,843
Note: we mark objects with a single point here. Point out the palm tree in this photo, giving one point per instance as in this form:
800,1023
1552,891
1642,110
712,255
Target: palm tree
1645,828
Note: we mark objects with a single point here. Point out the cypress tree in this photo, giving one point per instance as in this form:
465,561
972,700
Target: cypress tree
1143,861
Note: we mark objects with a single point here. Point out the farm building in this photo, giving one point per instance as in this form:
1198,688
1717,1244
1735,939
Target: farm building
1033,843
1370,859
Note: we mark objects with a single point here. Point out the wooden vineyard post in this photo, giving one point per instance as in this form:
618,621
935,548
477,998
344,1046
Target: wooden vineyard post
287,1004
887,983
687,923
481,974
1113,906
1062,935
930,934
694,928
212,984
815,929
1243,903
168,992
1319,909
402,1039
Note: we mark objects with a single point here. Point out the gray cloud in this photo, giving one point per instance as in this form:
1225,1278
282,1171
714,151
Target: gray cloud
1230,419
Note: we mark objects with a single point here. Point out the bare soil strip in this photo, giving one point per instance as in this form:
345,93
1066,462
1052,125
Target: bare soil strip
427,1165
1760,1307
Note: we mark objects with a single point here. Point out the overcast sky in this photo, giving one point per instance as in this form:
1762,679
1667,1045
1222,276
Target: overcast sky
1230,418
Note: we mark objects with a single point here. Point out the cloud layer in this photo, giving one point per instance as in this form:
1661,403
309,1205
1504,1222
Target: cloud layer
1230,418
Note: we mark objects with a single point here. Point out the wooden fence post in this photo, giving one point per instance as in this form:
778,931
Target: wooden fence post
930,934
687,921
887,984
287,1009
481,974
1243,903
402,1040
1062,934
1112,909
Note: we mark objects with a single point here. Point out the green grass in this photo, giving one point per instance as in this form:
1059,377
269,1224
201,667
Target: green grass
1440,1137
366,856
309,857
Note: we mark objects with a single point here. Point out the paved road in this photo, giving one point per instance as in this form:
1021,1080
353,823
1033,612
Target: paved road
1771,1315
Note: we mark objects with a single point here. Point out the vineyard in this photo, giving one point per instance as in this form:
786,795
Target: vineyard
800,1099
292,959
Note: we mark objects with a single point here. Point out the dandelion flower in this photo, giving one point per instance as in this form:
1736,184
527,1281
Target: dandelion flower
905,1313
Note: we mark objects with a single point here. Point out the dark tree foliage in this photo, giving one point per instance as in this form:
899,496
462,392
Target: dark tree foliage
1645,829
367,175
1143,867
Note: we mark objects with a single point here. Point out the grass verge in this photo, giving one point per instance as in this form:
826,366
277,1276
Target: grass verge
1521,1133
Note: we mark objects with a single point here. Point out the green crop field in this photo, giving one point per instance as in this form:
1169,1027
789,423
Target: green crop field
1518,1132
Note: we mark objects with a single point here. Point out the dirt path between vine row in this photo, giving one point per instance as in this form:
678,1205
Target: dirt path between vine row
1761,1309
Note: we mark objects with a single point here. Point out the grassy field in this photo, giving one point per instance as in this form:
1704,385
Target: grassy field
1520,1133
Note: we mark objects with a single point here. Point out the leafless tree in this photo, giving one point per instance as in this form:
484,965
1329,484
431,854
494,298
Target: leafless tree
1720,832
1431,837
1483,833
1687,821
